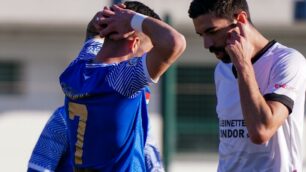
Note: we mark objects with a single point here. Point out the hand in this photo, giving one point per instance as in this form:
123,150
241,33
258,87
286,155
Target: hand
93,27
117,21
239,47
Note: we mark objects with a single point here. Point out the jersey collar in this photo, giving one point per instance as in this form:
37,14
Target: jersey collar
257,56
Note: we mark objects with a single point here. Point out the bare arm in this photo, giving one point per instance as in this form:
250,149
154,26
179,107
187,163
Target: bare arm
262,117
168,44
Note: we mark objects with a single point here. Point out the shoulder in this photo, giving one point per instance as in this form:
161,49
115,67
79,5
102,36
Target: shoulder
90,48
286,55
128,77
287,59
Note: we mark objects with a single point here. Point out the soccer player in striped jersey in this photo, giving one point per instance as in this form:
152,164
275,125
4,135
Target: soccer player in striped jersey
105,94
51,152
260,87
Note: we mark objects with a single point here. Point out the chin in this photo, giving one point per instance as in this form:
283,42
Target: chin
226,59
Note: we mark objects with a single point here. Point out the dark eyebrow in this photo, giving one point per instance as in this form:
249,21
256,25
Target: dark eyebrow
209,30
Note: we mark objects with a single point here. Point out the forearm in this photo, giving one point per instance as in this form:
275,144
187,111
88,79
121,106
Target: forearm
168,45
256,112
164,38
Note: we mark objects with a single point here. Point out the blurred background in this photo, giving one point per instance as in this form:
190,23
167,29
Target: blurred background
38,38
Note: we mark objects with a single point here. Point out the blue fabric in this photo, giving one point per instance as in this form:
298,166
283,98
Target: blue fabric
105,105
51,150
55,134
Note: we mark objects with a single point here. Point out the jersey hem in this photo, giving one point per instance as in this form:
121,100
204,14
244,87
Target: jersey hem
38,168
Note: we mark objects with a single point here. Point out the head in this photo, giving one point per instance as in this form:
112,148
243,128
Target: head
214,19
140,43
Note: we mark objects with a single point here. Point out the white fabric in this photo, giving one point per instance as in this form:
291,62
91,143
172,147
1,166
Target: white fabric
137,20
282,71
38,168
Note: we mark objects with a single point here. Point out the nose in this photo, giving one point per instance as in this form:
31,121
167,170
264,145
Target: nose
208,42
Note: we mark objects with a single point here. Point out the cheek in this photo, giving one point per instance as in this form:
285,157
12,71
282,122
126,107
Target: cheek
221,39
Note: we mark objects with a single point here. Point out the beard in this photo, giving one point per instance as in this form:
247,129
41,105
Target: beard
225,58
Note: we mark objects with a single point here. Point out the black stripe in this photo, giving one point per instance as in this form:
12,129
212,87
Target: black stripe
287,101
257,56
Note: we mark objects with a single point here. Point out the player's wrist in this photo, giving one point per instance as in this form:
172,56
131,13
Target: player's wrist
136,21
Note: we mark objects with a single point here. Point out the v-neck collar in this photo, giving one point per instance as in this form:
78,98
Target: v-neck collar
257,56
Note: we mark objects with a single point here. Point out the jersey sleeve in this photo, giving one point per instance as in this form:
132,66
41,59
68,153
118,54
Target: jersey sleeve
90,48
130,76
51,145
153,159
287,77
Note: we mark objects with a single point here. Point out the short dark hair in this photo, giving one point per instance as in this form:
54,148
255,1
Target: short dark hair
141,8
220,8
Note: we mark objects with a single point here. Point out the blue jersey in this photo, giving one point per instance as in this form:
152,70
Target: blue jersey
51,151
105,103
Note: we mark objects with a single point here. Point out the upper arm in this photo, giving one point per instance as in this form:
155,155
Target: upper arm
279,113
168,45
287,78
285,82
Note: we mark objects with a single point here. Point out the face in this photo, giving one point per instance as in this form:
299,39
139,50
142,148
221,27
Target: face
214,31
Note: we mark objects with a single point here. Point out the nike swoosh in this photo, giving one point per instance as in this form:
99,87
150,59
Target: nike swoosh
86,77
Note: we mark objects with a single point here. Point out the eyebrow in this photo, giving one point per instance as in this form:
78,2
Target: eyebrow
233,25
207,30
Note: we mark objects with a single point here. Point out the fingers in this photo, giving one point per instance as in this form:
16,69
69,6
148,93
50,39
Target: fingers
242,29
107,12
116,8
117,36
105,8
233,37
121,5
106,30
114,22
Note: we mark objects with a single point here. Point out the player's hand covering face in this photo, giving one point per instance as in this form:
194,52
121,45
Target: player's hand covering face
220,51
238,45
213,31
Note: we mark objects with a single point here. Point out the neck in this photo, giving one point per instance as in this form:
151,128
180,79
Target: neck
259,41
113,52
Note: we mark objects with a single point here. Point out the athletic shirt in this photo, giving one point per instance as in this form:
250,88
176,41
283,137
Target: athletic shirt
281,76
51,152
105,103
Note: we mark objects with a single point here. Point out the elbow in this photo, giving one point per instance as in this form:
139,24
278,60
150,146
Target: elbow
178,46
259,138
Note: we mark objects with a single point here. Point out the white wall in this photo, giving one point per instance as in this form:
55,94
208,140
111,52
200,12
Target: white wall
62,12
43,56
65,12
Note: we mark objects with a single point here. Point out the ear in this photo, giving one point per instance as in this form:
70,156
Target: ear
242,17
134,42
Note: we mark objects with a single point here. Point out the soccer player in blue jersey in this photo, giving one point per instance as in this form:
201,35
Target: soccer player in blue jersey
105,94
51,152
